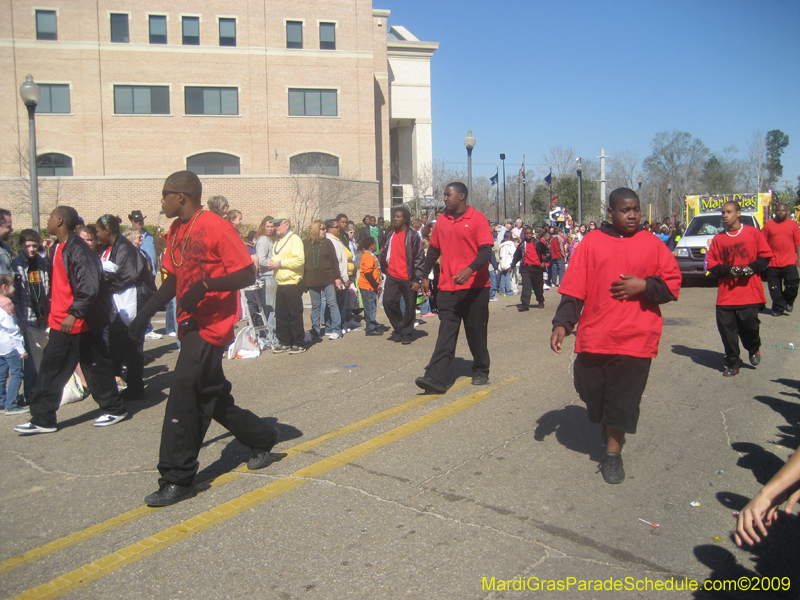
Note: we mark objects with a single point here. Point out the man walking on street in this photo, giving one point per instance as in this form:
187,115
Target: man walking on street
783,236
532,269
463,239
402,262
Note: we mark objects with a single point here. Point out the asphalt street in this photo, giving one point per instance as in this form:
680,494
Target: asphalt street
388,493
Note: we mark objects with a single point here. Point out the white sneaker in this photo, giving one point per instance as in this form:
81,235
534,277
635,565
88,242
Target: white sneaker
545,287
106,420
333,336
153,336
31,429
172,334
494,299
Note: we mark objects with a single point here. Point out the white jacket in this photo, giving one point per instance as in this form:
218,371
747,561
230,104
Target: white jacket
10,336
507,250
341,256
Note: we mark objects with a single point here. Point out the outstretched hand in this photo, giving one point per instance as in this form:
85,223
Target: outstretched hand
627,287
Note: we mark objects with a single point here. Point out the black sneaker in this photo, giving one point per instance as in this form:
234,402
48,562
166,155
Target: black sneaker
169,494
429,385
299,349
611,468
264,458
755,358
480,379
280,348
730,372
406,340
789,307
523,308
776,313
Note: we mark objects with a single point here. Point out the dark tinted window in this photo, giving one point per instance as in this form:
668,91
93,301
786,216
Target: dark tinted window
213,163
158,29
54,98
294,34
327,36
141,100
211,101
313,103
227,32
119,29
191,31
54,165
314,163
46,25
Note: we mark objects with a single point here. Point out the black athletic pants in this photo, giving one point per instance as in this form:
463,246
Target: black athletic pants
199,393
289,315
61,355
782,283
735,323
532,277
126,351
472,307
393,290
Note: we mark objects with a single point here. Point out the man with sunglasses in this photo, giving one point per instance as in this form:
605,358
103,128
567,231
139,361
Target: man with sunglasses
207,264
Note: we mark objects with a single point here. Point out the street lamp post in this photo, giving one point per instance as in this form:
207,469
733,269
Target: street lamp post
669,192
503,158
579,169
29,92
469,142
639,182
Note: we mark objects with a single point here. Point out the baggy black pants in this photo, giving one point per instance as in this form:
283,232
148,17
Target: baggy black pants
289,315
472,307
782,283
394,289
735,323
199,393
532,277
61,355
125,350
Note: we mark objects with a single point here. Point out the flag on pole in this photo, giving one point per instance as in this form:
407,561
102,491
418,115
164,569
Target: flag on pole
548,179
554,199
493,179
522,172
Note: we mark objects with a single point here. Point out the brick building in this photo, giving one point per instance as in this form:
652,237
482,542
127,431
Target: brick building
305,106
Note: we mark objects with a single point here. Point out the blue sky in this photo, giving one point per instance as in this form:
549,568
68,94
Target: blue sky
526,76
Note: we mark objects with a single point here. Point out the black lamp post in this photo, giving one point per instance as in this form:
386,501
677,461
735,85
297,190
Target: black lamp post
30,93
503,158
469,142
579,169
639,183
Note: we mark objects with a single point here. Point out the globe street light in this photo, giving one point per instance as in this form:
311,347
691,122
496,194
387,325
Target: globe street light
639,182
469,142
29,92
579,169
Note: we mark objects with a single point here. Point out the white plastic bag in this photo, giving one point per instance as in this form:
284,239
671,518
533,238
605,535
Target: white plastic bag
73,391
125,303
245,344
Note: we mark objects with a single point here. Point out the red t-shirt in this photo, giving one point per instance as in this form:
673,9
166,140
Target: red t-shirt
61,295
214,249
398,264
609,326
458,241
739,250
783,238
555,248
531,255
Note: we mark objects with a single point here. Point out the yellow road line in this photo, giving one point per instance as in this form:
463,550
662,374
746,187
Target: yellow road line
139,550
132,515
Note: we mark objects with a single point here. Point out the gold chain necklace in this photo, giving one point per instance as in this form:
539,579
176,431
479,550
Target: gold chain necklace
185,241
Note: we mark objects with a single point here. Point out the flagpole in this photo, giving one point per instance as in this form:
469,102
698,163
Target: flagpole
524,202
497,192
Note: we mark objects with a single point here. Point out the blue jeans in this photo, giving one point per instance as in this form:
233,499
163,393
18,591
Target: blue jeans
172,323
270,289
10,363
369,299
492,283
323,297
557,268
505,282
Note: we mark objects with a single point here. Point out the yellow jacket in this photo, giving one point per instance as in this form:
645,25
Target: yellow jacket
289,252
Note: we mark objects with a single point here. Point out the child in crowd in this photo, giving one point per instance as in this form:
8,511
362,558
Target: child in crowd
613,287
12,353
369,284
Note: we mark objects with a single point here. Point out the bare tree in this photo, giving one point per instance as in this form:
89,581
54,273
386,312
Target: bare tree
624,168
562,159
19,201
754,173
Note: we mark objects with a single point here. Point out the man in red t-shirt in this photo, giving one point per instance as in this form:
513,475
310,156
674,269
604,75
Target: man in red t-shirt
615,282
783,236
402,262
528,253
738,256
79,312
463,239
206,263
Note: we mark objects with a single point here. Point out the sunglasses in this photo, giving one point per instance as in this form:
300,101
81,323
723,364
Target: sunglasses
165,193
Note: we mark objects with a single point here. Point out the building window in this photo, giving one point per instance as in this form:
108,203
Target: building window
158,29
191,31
211,101
294,34
327,36
227,32
312,103
314,163
54,98
141,100
46,25
213,163
119,29
54,164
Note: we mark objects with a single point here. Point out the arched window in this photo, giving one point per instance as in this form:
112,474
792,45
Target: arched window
213,163
54,164
314,163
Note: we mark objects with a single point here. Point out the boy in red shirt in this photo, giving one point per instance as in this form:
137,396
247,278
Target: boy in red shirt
614,284
79,311
206,263
738,256
783,237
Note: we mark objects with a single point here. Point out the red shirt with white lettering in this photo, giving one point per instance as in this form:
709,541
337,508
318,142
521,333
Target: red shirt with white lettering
783,238
607,325
458,239
205,247
739,250
61,295
398,264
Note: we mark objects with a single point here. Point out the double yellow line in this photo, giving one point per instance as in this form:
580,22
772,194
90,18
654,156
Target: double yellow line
130,554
